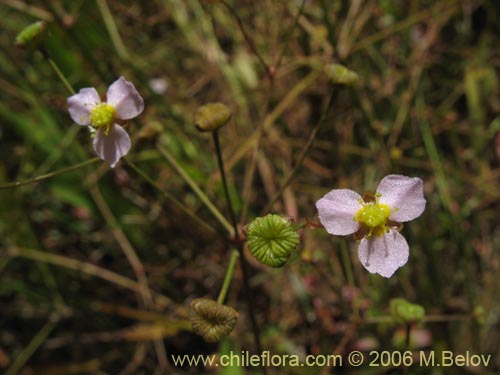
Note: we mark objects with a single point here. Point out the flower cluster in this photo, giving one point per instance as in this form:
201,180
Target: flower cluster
376,220
123,103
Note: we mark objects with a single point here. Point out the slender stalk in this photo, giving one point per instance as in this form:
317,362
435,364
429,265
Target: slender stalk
170,198
407,344
272,116
244,264
346,260
32,10
192,184
232,215
84,267
248,40
289,34
58,71
408,336
229,276
303,153
28,351
110,24
42,177
124,243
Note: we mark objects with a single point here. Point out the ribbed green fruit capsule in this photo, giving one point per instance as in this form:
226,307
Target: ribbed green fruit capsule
340,74
211,116
31,35
405,312
271,239
211,320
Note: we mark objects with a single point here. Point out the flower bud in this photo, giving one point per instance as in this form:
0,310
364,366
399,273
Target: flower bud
271,239
211,116
405,312
340,74
211,320
479,315
31,35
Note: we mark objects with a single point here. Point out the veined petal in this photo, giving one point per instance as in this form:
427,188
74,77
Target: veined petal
336,211
124,97
404,195
384,254
79,105
113,146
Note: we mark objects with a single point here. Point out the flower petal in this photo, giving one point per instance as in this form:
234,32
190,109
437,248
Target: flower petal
404,195
79,105
337,209
384,254
124,97
113,146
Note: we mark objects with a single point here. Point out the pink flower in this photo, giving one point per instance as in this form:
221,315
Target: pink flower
123,102
376,219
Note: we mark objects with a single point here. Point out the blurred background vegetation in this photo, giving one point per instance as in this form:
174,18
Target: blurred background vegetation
74,298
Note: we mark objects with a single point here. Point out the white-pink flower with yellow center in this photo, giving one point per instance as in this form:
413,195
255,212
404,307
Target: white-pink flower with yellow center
123,103
376,220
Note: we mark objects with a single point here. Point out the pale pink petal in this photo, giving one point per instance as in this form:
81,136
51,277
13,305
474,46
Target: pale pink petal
124,97
113,146
404,195
336,211
79,105
384,254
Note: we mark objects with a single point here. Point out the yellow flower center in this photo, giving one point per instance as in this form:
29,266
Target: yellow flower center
374,215
102,116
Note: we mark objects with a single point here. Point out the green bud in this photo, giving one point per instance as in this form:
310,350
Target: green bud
340,74
211,320
271,239
31,35
479,315
211,116
405,312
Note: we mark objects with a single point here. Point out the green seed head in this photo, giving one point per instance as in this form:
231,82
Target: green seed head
271,239
373,214
211,320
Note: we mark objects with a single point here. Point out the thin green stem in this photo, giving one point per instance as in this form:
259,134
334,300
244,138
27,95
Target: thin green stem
303,153
28,351
434,156
346,260
229,276
248,40
42,177
58,72
220,161
408,335
170,198
83,267
243,261
110,24
289,34
196,189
